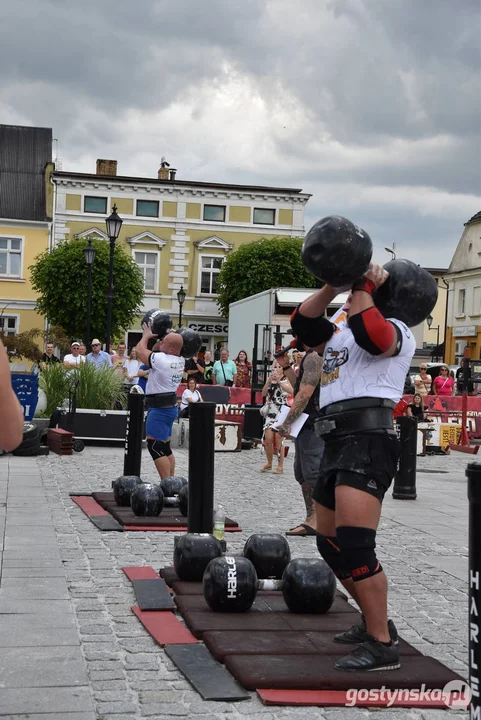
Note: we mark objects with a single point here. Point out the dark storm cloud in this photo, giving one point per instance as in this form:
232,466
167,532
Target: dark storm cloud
372,106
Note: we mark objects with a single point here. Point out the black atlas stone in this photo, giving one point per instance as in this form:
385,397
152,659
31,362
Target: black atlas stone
308,586
192,342
172,485
409,294
230,584
161,322
123,487
147,500
192,553
269,553
336,251
184,500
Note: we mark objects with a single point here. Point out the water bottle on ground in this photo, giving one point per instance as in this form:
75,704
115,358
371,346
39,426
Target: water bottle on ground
219,523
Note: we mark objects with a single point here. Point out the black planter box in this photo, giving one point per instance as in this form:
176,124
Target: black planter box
108,425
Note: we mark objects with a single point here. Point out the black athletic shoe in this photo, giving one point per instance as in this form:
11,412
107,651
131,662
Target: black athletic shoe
370,655
358,634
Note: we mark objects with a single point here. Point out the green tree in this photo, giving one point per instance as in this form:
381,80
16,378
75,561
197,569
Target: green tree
60,278
267,263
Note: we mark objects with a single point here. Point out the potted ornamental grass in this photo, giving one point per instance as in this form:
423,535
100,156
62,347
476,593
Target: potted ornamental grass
96,391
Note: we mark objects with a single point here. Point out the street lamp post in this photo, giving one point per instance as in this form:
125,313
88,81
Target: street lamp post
429,321
392,251
113,223
181,299
89,254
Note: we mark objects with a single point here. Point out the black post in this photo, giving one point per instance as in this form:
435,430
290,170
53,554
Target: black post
255,367
110,296
405,478
473,473
201,467
134,433
89,299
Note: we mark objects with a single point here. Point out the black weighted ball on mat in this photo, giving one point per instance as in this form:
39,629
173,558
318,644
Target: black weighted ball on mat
336,251
123,487
161,322
147,500
172,485
192,553
409,294
184,500
308,586
192,342
231,585
269,553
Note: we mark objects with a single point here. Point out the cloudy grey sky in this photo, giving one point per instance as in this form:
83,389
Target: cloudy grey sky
373,106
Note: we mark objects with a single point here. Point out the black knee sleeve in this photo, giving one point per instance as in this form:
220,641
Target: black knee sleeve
330,552
357,546
158,448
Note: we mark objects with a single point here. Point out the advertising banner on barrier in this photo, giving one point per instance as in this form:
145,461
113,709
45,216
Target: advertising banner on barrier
447,410
230,403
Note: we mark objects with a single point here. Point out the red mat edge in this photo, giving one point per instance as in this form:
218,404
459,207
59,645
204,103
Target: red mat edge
167,528
89,505
140,572
164,627
337,698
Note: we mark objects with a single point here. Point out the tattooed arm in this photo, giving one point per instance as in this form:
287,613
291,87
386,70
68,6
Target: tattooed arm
310,379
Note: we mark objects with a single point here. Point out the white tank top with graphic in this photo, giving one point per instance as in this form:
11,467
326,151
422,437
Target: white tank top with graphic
166,373
349,372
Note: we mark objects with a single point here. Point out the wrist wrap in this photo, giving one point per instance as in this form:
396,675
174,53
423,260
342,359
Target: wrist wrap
364,284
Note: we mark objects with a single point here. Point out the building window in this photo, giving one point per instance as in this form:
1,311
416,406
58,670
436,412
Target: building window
264,216
148,208
11,257
214,212
476,300
95,204
462,302
147,262
8,325
209,274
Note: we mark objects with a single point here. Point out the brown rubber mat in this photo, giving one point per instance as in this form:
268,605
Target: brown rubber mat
236,642
180,587
314,672
169,518
290,657
200,621
264,603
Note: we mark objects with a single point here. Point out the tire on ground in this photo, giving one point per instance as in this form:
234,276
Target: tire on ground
29,430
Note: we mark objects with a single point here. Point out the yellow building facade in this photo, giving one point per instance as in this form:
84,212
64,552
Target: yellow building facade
26,206
178,232
20,243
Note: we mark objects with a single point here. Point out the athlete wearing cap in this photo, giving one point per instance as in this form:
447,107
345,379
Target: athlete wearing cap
166,369
365,362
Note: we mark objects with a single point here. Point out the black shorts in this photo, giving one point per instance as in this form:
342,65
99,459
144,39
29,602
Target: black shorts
367,462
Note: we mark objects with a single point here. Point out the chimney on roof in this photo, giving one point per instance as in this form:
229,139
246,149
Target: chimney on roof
164,172
172,174
106,167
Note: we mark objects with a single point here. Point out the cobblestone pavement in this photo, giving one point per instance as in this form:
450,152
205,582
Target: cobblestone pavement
422,545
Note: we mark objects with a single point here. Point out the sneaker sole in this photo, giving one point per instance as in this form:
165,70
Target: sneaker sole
392,666
357,642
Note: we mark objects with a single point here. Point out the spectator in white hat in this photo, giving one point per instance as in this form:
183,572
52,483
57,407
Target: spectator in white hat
98,356
74,358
